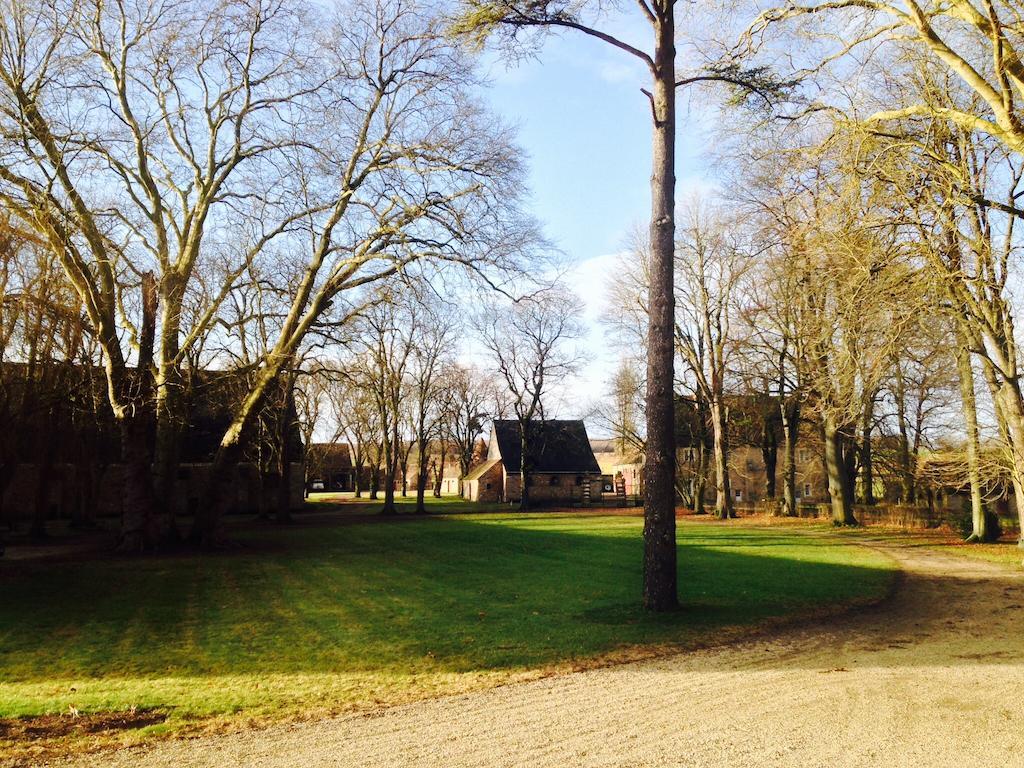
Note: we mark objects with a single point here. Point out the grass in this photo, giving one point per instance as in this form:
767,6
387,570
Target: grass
328,616
346,504
1006,551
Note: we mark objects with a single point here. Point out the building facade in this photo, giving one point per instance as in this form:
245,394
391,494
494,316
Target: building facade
562,466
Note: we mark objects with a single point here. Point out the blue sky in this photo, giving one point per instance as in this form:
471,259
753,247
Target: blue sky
585,127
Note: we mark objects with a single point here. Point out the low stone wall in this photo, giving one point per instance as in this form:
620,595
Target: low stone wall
66,489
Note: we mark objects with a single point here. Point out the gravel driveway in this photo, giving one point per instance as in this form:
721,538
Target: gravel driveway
934,677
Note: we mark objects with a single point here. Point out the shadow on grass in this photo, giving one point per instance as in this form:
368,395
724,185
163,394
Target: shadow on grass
450,595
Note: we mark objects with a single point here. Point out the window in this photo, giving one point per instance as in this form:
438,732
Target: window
807,490
579,479
554,480
803,455
739,495
488,486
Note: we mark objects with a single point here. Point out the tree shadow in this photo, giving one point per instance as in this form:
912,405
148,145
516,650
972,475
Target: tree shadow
450,595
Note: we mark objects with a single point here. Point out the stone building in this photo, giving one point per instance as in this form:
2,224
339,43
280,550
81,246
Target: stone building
563,467
60,458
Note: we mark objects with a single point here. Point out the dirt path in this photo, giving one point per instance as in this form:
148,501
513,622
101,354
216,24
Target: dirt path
935,677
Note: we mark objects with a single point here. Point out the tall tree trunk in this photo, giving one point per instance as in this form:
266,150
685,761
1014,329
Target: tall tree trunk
1006,403
839,489
700,481
723,488
769,454
170,404
906,469
790,412
375,480
659,575
1013,412
421,476
284,452
866,467
979,523
439,474
217,497
138,506
170,417
524,466
390,471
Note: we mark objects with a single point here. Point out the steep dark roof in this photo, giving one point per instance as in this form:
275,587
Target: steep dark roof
332,457
559,446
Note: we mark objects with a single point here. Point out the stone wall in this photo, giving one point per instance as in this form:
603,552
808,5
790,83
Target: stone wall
552,488
69,490
486,488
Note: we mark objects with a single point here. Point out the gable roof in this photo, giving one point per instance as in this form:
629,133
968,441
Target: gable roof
335,457
478,472
560,445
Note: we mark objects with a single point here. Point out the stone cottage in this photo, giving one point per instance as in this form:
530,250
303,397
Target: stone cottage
564,469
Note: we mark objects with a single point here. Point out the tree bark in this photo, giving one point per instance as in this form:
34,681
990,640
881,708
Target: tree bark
769,454
979,523
700,483
840,492
660,592
285,422
525,444
723,487
440,472
906,470
217,501
138,506
375,480
421,476
866,466
390,470
170,417
790,435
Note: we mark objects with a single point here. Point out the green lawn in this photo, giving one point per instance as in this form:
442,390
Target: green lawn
324,616
1004,552
345,503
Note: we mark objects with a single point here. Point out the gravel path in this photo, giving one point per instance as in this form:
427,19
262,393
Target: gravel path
935,677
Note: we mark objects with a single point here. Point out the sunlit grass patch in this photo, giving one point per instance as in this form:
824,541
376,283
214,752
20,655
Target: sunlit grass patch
316,619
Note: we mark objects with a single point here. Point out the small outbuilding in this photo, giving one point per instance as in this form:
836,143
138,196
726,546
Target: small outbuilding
563,466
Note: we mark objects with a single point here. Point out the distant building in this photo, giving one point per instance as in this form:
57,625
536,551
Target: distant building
329,468
63,461
621,466
564,468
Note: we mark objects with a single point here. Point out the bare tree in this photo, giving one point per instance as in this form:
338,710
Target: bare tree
974,41
469,403
711,264
124,164
427,384
413,173
356,418
529,345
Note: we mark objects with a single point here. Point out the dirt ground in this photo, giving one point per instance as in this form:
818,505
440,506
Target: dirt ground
934,677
